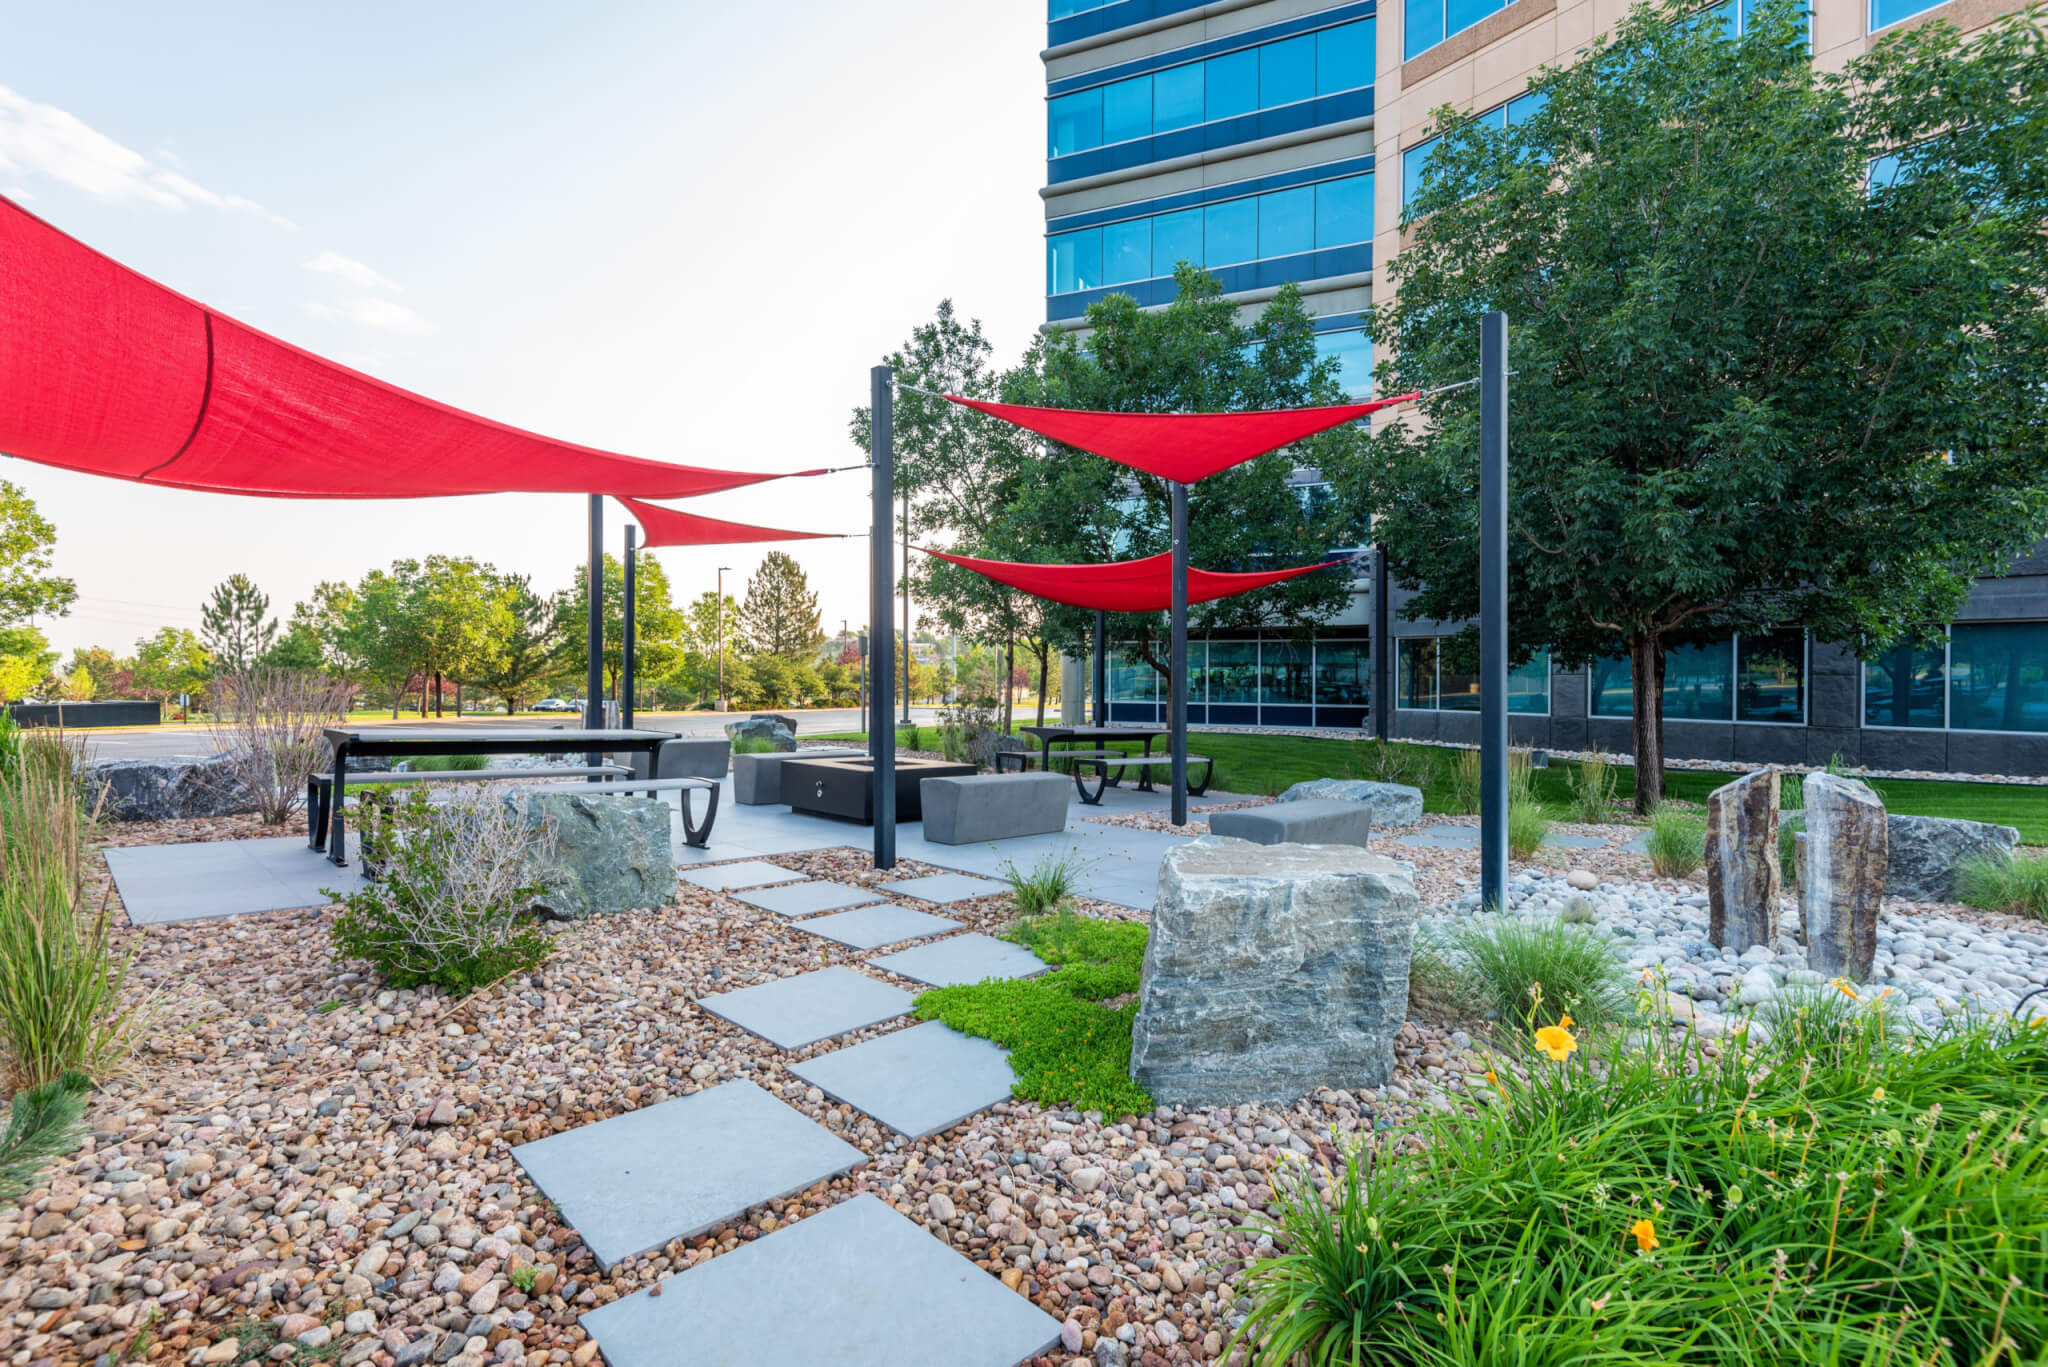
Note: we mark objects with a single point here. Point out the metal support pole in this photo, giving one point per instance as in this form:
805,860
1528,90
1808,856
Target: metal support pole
1101,667
719,615
882,545
593,671
907,651
1493,611
627,642
1178,723
1382,662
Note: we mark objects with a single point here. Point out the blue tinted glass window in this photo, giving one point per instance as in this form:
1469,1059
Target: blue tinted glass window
1177,97
1460,15
1230,84
1414,163
1885,171
1522,106
1126,251
1609,689
1176,238
1998,677
1230,232
1127,110
1343,673
1076,261
1529,684
1352,351
1883,12
1697,681
1287,222
1770,676
1457,673
1287,71
1344,211
1415,672
1906,688
1344,57
1075,123
1422,26
1065,9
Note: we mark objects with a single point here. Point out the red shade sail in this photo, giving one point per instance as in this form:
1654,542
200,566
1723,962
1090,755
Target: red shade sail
1184,447
672,527
1123,585
103,370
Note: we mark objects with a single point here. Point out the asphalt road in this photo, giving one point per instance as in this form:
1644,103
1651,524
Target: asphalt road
157,742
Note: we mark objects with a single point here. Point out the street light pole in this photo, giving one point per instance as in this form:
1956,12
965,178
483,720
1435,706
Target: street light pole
718,610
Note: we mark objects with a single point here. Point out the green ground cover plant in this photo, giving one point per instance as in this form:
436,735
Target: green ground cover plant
449,764
2017,884
1831,1192
1068,1031
753,745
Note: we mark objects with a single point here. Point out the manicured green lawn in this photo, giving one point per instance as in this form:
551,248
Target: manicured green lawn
1269,763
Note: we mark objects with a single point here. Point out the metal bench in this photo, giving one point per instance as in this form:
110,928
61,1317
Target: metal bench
320,787
693,833
1103,761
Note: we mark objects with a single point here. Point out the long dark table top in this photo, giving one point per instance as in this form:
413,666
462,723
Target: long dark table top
455,740
1094,732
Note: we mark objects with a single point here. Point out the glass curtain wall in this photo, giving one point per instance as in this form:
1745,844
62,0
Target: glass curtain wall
1270,681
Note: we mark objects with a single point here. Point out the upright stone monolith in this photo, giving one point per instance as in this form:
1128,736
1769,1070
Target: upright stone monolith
1742,862
1842,887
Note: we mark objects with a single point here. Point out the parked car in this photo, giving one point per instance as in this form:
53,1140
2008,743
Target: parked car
554,705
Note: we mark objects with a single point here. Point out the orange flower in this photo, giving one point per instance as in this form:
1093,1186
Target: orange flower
1566,1023
1494,1078
1844,989
1557,1042
1646,1235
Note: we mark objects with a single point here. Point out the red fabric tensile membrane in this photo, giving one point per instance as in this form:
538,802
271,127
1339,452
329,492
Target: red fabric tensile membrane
105,371
672,527
1184,447
1122,585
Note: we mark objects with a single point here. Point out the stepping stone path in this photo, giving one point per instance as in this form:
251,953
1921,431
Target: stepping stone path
638,1180
945,887
1575,842
751,873
873,927
962,959
852,1286
917,1081
805,899
792,1012
1443,838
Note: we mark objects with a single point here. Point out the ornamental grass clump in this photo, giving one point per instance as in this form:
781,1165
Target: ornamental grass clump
1592,789
1677,842
1048,884
1511,967
1827,1191
2017,884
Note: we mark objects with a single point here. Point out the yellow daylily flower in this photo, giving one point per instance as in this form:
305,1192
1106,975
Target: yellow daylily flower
1557,1042
1646,1235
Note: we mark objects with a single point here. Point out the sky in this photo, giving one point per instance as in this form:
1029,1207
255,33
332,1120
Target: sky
679,230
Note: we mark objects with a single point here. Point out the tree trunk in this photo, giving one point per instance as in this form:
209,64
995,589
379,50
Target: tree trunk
438,686
1646,661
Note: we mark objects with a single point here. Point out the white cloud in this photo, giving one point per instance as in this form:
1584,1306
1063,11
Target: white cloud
386,314
351,271
43,140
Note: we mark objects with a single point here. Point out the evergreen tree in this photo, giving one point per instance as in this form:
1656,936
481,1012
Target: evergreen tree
780,616
232,624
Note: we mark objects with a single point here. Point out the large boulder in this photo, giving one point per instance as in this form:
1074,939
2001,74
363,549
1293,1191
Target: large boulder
610,853
1742,862
1393,804
1925,853
775,730
1841,883
1272,970
170,788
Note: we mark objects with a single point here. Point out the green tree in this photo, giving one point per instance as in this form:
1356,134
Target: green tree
376,631
172,662
770,681
297,648
780,616
658,625
231,623
100,665
529,649
323,618
1755,385
461,614
27,588
25,661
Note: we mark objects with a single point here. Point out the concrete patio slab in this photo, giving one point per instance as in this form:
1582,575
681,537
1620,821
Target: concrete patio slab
752,873
873,927
962,959
917,1081
638,1180
1575,842
849,1287
214,878
945,887
792,1012
807,899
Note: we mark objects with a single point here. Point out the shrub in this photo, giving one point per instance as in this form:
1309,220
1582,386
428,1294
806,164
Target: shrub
450,905
910,737
968,733
64,1000
1832,1195
448,764
1527,825
1510,967
269,725
46,1122
1789,828
1678,843
753,745
1592,789
1048,883
2016,884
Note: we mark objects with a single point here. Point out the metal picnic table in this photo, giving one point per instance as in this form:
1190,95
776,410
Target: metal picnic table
1095,738
395,741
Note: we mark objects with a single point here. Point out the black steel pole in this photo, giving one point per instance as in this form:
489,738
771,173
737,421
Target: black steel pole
1101,667
1382,660
593,672
1493,611
907,639
1178,722
627,643
882,589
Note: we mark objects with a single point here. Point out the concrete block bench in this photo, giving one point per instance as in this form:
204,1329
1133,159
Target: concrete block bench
985,807
1318,821
690,757
757,779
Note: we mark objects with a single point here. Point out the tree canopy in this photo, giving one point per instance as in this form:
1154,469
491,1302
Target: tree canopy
1776,341
233,624
780,615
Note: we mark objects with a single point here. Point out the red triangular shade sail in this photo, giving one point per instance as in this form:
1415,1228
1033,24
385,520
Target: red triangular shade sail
1184,447
103,370
1123,585
672,527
